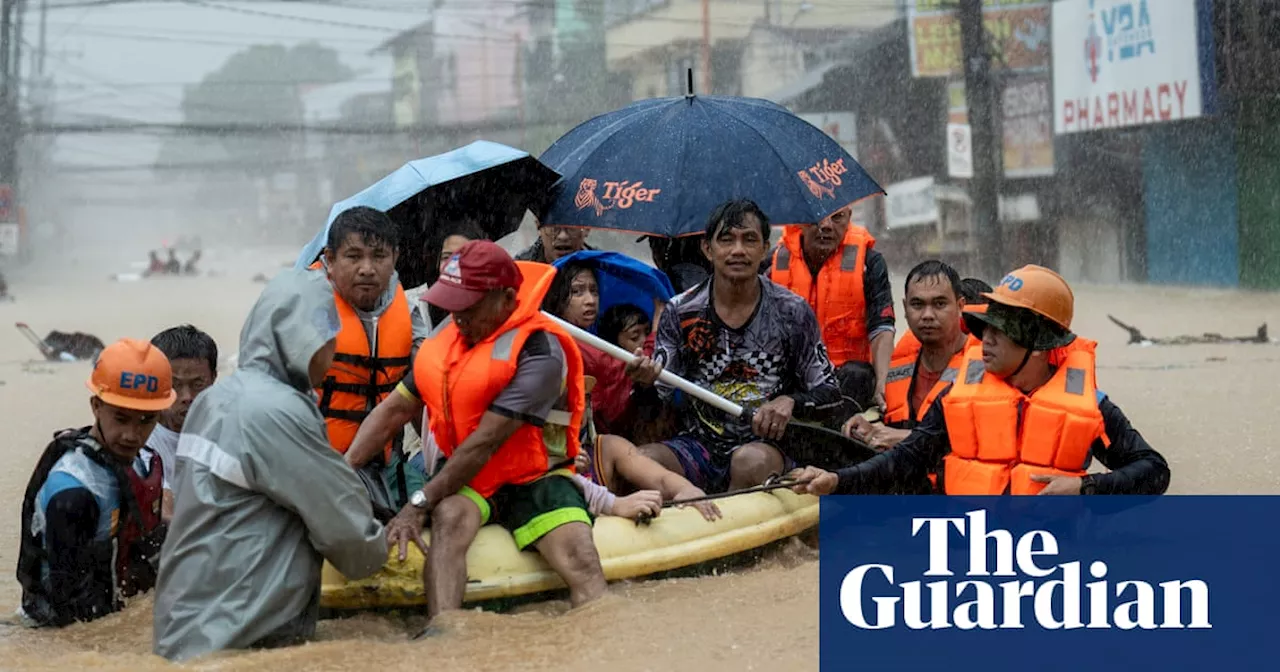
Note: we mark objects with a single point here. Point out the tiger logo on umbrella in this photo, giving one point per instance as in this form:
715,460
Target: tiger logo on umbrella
816,189
586,196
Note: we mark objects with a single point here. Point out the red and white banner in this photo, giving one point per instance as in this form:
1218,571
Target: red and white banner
1120,63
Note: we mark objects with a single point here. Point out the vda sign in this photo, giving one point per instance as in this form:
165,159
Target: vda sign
1127,27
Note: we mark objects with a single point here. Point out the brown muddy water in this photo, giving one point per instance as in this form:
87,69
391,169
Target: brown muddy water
1210,409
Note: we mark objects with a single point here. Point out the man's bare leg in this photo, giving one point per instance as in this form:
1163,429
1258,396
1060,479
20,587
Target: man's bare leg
571,551
454,524
752,464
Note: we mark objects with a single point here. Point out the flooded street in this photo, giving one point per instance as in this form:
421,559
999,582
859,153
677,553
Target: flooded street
1210,409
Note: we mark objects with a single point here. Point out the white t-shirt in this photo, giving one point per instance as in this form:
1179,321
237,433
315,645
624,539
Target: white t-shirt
164,442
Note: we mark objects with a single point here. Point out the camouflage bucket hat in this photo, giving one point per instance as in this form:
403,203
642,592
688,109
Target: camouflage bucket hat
1022,326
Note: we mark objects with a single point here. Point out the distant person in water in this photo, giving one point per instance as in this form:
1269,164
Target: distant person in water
154,266
173,266
190,267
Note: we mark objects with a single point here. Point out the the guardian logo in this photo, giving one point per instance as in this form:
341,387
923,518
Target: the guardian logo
1039,589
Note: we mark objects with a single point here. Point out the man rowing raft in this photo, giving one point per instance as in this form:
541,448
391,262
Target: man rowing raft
1023,417
747,339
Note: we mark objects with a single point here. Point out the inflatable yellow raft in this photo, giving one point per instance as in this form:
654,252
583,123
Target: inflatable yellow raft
678,538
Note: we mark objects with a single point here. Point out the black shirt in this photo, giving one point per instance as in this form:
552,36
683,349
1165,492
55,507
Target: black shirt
1136,468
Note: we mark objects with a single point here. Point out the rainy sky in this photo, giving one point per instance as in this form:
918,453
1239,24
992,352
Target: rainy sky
132,59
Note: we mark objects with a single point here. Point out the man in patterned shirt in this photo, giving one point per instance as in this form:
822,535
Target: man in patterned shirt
744,338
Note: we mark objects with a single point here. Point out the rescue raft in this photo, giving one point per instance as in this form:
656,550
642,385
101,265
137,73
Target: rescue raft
678,538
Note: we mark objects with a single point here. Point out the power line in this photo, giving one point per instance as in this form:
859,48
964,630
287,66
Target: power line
156,37
290,17
272,128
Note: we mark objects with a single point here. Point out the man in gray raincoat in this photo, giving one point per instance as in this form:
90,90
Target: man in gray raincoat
263,499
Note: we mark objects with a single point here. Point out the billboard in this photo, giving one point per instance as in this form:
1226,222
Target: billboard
1122,63
1019,32
1028,127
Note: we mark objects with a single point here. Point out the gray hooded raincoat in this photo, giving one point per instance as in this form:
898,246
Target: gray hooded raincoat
263,499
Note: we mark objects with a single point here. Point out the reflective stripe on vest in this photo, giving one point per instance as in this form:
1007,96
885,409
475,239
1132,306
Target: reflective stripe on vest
837,297
1000,437
897,394
902,368
458,384
358,380
897,390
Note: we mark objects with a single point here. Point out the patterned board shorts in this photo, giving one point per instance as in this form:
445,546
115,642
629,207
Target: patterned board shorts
702,470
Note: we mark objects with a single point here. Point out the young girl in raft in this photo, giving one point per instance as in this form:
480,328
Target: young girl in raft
609,463
574,297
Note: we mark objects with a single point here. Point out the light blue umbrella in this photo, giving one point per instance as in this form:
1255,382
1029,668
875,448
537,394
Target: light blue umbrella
487,182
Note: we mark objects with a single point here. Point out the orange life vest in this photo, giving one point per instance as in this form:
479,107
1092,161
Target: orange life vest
1000,437
837,296
458,383
907,346
357,382
902,371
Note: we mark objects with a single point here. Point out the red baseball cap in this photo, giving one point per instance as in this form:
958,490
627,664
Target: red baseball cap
478,267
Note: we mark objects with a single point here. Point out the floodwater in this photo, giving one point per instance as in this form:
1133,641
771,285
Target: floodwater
1209,408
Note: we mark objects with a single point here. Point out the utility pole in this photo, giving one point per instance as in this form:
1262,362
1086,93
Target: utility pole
9,122
706,47
19,32
980,92
44,37
520,88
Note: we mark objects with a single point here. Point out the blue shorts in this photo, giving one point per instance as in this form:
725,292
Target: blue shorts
704,471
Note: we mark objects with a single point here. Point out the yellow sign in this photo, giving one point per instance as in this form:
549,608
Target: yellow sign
1019,33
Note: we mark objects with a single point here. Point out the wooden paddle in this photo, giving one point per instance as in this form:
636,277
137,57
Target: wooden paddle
807,443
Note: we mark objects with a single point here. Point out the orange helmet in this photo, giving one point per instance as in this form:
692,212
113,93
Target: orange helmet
1040,291
133,374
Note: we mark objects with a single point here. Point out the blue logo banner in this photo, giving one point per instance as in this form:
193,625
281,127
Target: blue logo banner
1049,583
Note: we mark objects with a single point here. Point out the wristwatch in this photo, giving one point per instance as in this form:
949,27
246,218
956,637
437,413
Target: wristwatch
418,499
1088,486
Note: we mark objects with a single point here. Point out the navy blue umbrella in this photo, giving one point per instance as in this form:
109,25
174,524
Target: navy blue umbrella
660,166
486,182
